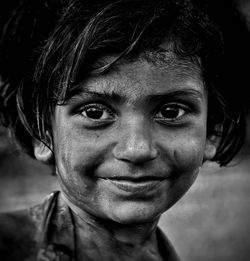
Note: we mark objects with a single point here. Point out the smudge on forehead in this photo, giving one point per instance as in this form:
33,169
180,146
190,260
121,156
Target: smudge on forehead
161,60
181,68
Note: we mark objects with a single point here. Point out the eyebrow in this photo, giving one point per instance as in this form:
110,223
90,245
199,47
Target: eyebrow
119,99
112,96
178,93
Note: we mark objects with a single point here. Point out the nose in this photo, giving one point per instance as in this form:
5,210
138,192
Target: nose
135,144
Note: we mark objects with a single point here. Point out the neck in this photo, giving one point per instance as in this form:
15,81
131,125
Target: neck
112,238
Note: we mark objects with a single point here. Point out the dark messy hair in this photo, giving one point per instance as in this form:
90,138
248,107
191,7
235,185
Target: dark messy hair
49,46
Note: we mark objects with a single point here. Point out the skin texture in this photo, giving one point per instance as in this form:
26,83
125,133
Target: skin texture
121,171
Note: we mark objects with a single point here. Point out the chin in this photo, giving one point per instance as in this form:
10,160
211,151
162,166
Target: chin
136,214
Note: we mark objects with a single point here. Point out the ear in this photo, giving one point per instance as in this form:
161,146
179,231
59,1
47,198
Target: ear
210,148
43,152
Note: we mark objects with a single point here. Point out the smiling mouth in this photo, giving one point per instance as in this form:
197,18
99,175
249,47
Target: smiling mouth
135,185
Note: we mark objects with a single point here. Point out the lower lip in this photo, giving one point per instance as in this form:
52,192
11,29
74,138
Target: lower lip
135,187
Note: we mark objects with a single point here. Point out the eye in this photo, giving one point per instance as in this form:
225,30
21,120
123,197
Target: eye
97,112
171,112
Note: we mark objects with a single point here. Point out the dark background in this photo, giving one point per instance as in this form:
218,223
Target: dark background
211,222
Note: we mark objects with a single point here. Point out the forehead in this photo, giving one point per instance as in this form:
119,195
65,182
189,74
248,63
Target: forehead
151,73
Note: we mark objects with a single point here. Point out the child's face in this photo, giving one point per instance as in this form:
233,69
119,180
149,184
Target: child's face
131,144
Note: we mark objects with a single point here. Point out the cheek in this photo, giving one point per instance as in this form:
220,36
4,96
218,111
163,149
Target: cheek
188,154
186,148
73,156
188,160
184,152
76,149
78,153
185,164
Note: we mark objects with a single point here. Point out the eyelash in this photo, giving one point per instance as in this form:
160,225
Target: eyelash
186,110
111,115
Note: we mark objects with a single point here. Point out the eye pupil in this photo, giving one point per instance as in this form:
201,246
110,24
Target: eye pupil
170,113
94,113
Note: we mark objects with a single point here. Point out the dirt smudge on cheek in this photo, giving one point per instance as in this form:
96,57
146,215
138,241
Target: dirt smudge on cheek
187,161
